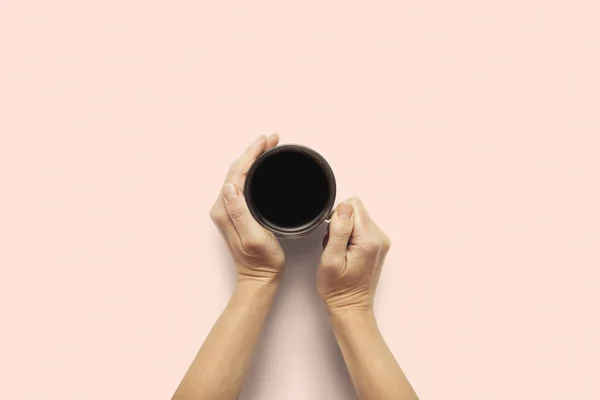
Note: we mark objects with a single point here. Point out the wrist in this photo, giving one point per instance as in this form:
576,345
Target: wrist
269,276
259,281
256,289
352,324
345,317
347,301
347,304
344,314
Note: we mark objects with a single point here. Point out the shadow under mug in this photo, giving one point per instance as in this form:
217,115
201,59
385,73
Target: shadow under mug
290,190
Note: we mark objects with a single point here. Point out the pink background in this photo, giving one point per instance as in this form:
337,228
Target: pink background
470,129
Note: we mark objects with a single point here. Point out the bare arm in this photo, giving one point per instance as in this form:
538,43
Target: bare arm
372,366
218,371
347,278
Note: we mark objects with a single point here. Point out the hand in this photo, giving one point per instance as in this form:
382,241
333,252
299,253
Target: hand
354,251
256,252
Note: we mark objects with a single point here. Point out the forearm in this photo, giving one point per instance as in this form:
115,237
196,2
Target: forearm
220,366
373,369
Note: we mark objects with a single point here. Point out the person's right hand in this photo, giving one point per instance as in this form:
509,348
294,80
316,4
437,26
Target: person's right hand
256,252
354,251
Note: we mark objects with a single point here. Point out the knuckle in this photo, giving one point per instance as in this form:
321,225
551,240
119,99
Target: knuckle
218,215
337,234
253,243
234,170
371,245
387,244
357,203
329,262
236,214
355,200
234,165
341,227
383,239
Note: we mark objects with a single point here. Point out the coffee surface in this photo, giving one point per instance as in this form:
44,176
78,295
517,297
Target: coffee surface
289,189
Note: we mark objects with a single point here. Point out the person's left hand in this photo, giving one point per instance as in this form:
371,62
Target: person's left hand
256,252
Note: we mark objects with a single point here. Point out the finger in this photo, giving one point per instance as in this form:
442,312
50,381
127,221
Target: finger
221,218
359,206
219,213
340,230
239,168
272,141
252,235
362,219
241,165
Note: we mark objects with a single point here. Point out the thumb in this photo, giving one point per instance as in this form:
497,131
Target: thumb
340,230
252,235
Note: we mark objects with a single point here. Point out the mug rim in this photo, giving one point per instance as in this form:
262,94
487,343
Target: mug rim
304,229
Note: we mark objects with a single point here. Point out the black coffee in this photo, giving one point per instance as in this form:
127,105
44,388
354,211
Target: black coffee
289,189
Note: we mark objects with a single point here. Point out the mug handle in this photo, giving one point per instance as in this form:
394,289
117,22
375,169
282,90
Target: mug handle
328,217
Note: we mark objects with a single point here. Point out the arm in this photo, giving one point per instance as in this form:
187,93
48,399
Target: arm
219,369
372,366
220,366
347,277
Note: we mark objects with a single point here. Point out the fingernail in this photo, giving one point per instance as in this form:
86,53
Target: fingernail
344,211
230,191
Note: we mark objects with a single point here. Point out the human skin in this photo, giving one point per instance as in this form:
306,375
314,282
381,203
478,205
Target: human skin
354,251
346,279
219,368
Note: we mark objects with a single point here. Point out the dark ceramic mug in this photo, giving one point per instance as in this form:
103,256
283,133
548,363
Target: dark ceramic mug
290,190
